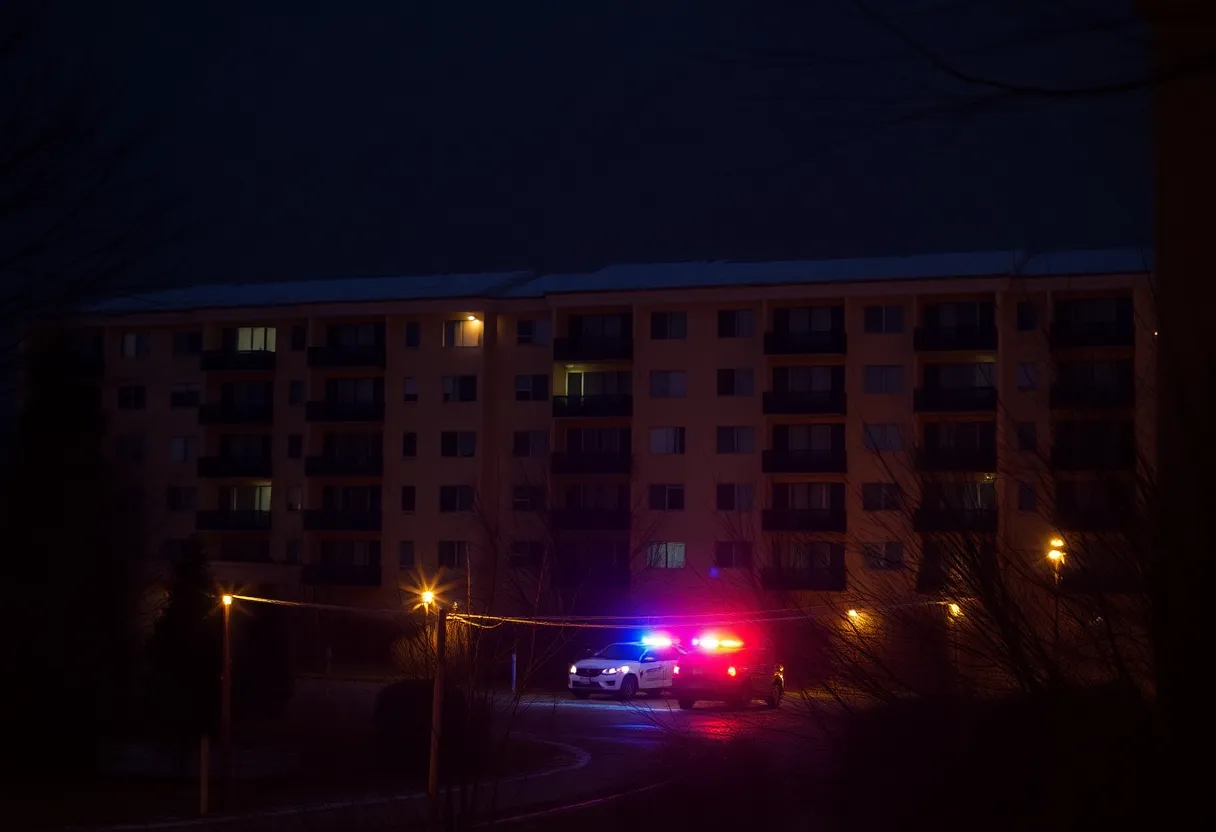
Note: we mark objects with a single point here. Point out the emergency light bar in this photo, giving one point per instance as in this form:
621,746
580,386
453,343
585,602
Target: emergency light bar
656,641
713,642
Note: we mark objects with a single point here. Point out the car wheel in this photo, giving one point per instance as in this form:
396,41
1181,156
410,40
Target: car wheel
687,704
774,695
629,688
580,694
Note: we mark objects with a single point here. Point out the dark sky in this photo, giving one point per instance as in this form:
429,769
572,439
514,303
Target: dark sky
318,139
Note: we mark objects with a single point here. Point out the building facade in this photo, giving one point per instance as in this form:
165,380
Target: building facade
648,439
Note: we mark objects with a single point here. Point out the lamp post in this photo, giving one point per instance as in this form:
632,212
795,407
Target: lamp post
226,691
432,779
1056,555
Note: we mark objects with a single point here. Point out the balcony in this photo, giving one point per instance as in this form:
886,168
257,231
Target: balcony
591,519
354,356
1065,334
1075,518
566,462
1067,396
341,520
590,407
830,461
343,466
954,399
230,413
336,411
579,350
792,579
1093,457
794,402
982,460
803,520
955,519
230,520
942,339
831,342
342,574
258,467
232,361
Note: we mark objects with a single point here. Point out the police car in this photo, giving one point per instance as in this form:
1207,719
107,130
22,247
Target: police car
624,668
722,669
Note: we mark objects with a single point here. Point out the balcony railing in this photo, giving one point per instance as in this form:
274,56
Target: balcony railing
982,460
954,399
336,411
830,342
342,574
236,414
591,519
937,339
792,402
343,466
1093,457
260,467
803,520
230,520
830,461
1092,396
792,579
335,356
233,361
593,349
1074,518
1093,334
573,407
342,520
566,462
954,519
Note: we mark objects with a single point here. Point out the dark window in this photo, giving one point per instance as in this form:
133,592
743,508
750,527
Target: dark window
732,554
181,498
410,387
130,448
666,326
299,338
667,440
880,496
1027,316
457,443
735,496
460,388
453,554
527,498
409,444
187,343
527,553
736,440
132,397
533,331
532,388
184,395
736,382
527,443
666,497
409,496
884,319
1027,497
413,334
295,446
736,323
455,498
1028,436
295,392
405,554
889,555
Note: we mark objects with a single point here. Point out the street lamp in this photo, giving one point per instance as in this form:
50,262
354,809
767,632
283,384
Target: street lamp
1056,555
427,597
226,689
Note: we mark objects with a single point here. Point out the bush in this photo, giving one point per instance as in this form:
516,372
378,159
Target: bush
402,720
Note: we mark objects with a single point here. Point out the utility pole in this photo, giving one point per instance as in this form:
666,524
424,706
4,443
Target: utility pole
432,780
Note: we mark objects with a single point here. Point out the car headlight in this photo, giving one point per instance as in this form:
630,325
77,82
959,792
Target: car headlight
608,671
573,669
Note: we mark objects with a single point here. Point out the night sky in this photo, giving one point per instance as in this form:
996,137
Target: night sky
312,139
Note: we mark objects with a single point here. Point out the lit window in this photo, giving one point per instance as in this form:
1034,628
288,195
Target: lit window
665,556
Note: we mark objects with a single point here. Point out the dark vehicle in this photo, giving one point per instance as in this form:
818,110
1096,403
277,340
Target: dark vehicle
728,671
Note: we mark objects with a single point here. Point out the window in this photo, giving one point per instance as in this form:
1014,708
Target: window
888,555
291,550
813,496
460,388
808,379
527,498
411,389
668,326
1028,436
245,498
667,440
880,496
596,496
1027,497
883,437
529,443
299,338
181,498
599,440
458,443
960,376
600,383
532,388
813,555
185,395
136,345
295,498
130,448
820,439
295,446
409,498
355,335
455,498
1028,375
532,331
409,445
665,556
527,553
295,392
183,448
736,440
666,497
668,384
357,498
462,333
365,553
255,339
735,496
884,378
884,319
405,554
132,397
1027,316
736,323
187,343
413,335
453,554
355,390
737,382
732,554
809,319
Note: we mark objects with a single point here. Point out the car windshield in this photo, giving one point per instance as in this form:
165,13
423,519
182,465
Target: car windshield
628,652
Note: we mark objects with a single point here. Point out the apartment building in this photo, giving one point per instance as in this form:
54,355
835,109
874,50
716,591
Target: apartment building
659,438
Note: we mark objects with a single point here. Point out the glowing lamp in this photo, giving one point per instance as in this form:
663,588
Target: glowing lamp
227,600
853,614
428,597
731,672
955,610
1055,556
1057,543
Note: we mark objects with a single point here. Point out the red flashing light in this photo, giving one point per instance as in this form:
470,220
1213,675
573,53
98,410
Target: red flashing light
730,671
713,642
676,670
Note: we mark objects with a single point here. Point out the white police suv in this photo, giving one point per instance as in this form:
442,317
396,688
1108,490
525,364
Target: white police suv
624,668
